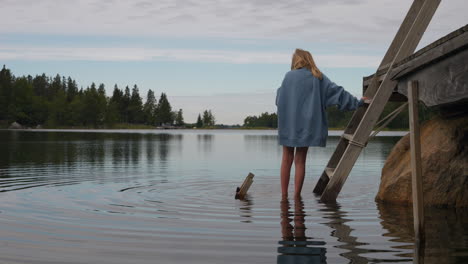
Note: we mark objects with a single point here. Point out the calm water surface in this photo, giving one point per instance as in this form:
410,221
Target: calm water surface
168,197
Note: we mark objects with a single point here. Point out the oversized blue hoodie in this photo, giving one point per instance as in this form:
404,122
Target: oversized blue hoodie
301,103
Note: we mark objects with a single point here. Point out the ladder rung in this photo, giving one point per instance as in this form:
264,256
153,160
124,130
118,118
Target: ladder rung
348,137
329,171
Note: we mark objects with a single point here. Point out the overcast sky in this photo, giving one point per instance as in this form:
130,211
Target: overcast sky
227,56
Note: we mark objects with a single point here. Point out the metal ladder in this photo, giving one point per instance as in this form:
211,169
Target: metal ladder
357,132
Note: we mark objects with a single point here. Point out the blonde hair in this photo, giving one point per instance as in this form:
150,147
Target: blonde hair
302,58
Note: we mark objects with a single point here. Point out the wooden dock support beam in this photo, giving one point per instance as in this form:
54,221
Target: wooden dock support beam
416,172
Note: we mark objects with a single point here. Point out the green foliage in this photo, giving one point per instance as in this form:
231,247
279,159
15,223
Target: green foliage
6,81
164,115
179,118
208,119
57,102
149,109
339,120
135,107
199,123
263,120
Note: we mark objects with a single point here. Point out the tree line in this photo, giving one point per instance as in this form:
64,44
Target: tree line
208,120
57,101
339,120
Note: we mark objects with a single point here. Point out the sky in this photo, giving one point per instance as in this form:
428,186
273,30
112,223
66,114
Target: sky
228,56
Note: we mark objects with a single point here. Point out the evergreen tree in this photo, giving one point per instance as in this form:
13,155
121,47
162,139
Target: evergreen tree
117,101
20,105
76,110
164,114
6,80
93,107
199,122
40,85
179,118
135,107
55,87
102,90
264,120
125,104
208,118
111,115
149,108
57,113
72,89
64,84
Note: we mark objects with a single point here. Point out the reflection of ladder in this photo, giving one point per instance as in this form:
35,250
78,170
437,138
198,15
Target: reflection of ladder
357,132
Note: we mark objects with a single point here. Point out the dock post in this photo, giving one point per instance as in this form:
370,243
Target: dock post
416,172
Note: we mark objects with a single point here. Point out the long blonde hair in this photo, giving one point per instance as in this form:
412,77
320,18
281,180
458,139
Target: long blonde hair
302,58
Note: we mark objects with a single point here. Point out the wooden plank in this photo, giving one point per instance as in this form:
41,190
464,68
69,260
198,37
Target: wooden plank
334,159
442,47
416,172
369,118
444,82
402,33
347,136
448,50
242,191
358,114
442,69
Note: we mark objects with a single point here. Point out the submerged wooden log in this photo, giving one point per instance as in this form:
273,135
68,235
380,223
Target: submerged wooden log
242,191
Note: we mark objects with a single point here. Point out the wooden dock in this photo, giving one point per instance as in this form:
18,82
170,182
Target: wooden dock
437,75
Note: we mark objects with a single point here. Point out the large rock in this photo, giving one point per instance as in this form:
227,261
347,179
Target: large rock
444,154
15,125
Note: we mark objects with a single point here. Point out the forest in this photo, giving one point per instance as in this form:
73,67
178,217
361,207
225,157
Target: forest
58,102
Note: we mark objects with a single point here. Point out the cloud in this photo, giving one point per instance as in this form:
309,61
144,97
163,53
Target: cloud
356,21
190,55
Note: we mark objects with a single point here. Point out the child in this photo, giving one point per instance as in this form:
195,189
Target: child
302,100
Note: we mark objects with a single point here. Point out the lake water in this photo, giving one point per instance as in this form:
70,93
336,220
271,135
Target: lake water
167,196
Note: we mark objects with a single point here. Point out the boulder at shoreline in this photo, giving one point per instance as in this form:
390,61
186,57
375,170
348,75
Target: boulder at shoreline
15,125
444,155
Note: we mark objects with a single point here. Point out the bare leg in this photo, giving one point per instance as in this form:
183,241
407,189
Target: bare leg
286,163
299,163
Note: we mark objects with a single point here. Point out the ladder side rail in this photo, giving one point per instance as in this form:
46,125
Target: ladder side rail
408,47
381,97
370,92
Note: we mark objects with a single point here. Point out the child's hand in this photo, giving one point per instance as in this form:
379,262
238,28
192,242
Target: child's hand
367,100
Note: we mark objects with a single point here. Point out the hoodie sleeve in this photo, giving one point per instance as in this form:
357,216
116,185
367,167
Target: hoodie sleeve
337,95
277,96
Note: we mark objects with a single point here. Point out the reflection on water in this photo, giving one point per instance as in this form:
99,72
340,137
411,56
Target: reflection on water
167,197
445,231
205,142
245,209
296,247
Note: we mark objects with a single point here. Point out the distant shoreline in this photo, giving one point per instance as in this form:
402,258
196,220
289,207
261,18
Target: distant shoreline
167,129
